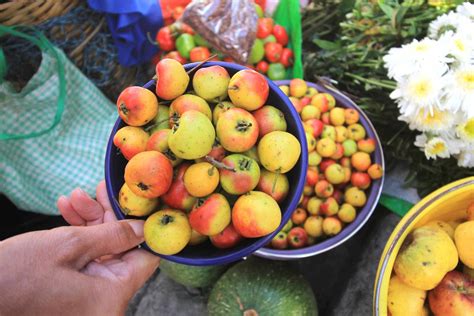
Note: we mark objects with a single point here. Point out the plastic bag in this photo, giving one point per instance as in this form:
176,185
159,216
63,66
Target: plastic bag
53,133
230,26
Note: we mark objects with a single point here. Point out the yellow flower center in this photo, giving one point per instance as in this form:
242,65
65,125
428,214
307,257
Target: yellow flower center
421,88
431,119
466,79
459,45
438,148
468,129
421,47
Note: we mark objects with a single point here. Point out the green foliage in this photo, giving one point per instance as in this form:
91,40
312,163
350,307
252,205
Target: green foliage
347,46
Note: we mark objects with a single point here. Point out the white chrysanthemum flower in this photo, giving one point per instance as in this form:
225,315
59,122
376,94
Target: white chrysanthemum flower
433,147
447,23
466,159
466,9
420,90
425,121
465,131
410,58
460,46
459,91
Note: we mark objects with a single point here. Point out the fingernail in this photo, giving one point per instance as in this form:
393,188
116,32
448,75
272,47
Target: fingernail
137,227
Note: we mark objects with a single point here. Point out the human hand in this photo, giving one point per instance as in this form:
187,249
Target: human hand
57,272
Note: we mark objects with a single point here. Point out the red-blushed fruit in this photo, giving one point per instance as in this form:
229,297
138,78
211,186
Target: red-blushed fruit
297,237
453,296
227,238
159,141
264,27
137,106
339,153
360,180
187,102
134,205
332,226
130,140
149,174
312,176
220,108
298,216
296,104
325,119
176,56
262,67
269,119
334,173
314,226
237,130
351,116
325,163
310,112
320,101
314,205
280,34
171,79
274,184
329,207
366,145
210,215
280,241
240,175
361,161
199,54
316,125
375,171
273,52
326,147
211,83
298,88
305,101
345,162
165,40
338,195
308,190
256,214
347,174
248,89
177,196
304,202
323,189
286,57
217,152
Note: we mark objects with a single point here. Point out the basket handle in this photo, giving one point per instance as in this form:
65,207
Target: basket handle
45,45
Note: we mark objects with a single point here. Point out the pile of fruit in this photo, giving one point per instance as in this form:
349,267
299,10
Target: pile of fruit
340,168
211,165
428,277
270,54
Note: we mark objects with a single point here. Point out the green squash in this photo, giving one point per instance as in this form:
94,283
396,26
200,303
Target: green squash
192,276
262,287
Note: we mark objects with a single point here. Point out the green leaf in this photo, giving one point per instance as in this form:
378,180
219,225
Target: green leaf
327,45
388,10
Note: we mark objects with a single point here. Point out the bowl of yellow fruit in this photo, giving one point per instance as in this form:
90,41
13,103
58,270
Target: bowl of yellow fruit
427,266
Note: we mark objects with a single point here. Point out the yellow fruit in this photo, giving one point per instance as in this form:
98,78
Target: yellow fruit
132,204
426,255
167,231
464,238
442,225
279,151
405,300
201,179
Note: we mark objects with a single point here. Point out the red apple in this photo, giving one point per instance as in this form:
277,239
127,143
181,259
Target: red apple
227,238
297,237
280,241
177,196
453,296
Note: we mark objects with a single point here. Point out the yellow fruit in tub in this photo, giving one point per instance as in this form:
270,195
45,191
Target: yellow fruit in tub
464,238
442,225
404,299
454,224
425,256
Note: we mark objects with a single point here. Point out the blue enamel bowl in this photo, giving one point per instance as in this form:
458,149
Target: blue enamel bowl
206,253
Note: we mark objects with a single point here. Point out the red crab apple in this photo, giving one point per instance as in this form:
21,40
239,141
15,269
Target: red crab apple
171,79
210,83
274,184
137,106
297,237
227,238
453,296
185,103
210,215
177,196
280,241
237,130
269,119
248,89
240,174
149,174
130,140
159,141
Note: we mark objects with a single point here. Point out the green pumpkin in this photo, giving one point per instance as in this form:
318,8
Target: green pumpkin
262,287
192,276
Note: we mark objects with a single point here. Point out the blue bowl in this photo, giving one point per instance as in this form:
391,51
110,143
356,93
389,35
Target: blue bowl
363,214
206,253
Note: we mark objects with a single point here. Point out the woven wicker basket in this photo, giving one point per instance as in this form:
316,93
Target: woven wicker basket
32,12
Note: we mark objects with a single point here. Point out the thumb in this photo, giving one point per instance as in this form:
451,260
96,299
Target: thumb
84,244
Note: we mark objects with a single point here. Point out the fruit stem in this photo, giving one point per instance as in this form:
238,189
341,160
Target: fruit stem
200,64
219,164
123,108
166,219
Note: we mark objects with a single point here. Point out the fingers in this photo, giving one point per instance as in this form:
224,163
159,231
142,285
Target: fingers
139,266
86,207
85,244
68,212
103,198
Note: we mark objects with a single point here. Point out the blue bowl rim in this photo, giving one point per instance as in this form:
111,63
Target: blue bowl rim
259,242
368,209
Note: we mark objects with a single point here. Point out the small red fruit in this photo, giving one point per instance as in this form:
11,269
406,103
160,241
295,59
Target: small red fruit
199,54
176,56
264,27
165,39
227,238
286,57
360,180
297,237
325,163
312,177
280,34
299,216
262,67
280,241
273,52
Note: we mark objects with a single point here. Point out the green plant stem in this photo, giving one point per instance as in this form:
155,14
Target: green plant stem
373,82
